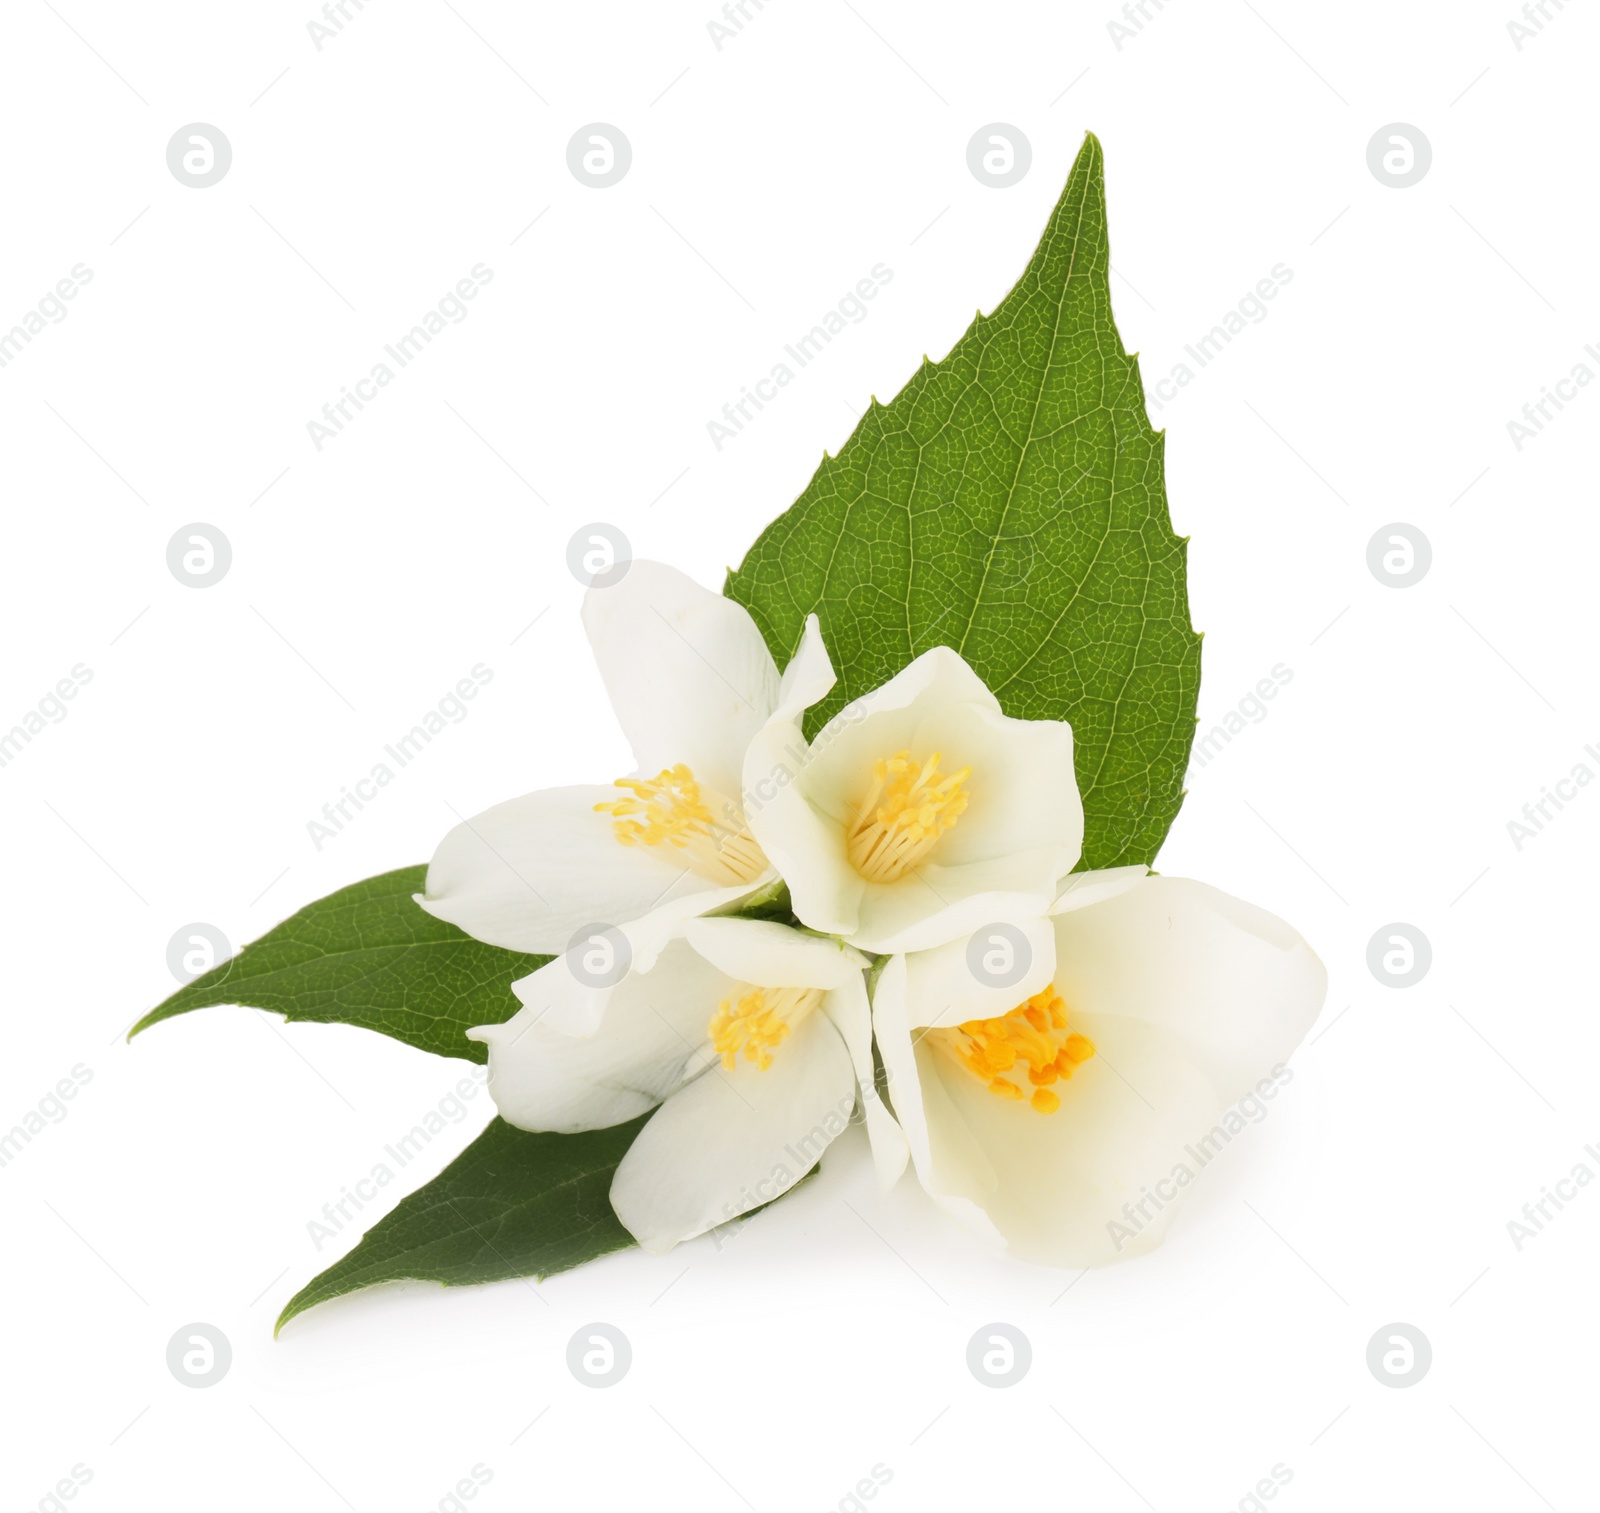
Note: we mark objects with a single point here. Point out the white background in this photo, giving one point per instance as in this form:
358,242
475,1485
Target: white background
768,177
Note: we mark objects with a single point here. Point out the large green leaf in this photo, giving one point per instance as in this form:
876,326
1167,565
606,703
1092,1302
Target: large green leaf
367,955
1010,502
510,1205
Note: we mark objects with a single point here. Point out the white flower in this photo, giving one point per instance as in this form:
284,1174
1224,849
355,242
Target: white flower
1067,1113
919,812
753,1038
692,682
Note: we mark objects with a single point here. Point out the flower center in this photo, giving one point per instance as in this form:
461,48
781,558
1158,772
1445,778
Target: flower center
757,1021
1032,1038
673,809
910,806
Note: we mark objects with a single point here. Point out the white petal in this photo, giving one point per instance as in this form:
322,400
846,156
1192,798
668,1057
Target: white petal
1079,889
1021,831
943,989
1024,790
848,1009
941,670
808,677
528,873
804,845
1190,997
688,673
778,752
580,1010
648,934
771,955
1235,985
933,904
838,765
1127,1119
650,1035
730,1141
949,1163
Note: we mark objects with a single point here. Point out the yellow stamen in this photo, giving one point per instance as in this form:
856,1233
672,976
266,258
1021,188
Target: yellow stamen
758,1021
674,809
910,805
1032,1039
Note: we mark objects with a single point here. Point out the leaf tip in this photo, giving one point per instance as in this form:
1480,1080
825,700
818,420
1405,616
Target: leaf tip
296,1306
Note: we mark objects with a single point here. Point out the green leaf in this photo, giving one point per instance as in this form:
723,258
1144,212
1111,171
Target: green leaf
368,955
770,903
510,1205
1010,502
